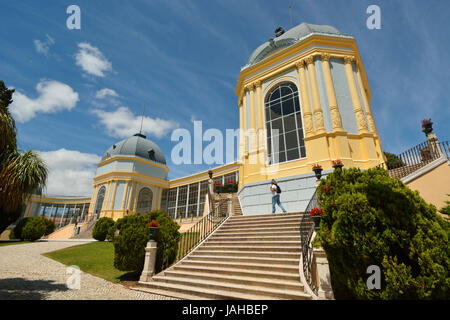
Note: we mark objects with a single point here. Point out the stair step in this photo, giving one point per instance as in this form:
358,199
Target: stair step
295,228
230,289
237,223
268,216
272,261
258,254
253,243
245,280
256,233
209,247
243,265
260,225
255,238
293,276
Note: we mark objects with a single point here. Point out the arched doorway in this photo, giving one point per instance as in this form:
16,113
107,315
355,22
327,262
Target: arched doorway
99,202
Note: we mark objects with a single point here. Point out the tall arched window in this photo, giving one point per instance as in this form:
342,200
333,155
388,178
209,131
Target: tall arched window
284,124
99,202
145,200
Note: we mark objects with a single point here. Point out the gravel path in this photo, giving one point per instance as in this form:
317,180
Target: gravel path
26,274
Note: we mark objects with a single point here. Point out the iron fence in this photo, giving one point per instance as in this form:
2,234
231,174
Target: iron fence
306,233
199,231
415,158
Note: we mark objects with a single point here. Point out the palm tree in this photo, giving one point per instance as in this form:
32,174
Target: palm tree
20,173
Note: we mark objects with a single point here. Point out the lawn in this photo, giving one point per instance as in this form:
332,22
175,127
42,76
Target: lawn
6,243
96,258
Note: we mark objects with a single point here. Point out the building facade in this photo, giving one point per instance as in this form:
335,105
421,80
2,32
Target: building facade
303,99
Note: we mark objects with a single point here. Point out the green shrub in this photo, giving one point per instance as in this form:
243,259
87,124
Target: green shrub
130,243
50,226
101,228
34,228
372,219
446,209
16,232
393,161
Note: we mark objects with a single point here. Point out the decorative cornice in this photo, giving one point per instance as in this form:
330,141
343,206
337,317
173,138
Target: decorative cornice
257,83
309,59
300,64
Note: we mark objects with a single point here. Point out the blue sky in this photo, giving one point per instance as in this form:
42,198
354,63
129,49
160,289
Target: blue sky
182,59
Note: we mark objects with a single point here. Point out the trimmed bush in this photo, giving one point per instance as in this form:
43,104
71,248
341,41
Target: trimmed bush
34,228
101,228
393,161
16,232
50,226
372,219
134,233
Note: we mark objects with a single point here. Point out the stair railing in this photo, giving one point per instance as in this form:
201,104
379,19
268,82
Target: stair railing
306,235
202,229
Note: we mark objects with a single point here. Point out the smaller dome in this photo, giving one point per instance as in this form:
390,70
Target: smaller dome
137,145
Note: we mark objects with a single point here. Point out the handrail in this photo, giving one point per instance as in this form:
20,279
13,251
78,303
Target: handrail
199,231
417,157
306,235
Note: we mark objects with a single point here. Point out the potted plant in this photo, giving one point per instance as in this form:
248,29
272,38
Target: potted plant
427,126
217,187
153,226
316,213
337,164
317,168
210,173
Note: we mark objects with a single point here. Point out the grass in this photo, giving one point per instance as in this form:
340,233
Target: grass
96,258
4,244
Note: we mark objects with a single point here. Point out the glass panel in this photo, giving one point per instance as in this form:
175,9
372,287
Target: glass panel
274,95
285,90
302,151
277,124
289,123
291,140
275,110
267,114
292,154
288,106
145,200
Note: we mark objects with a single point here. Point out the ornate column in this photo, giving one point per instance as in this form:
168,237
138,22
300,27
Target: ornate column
317,107
113,199
366,104
125,195
129,196
136,194
244,122
331,94
360,120
304,96
253,126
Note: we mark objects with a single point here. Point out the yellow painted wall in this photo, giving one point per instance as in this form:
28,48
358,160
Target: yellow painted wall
434,185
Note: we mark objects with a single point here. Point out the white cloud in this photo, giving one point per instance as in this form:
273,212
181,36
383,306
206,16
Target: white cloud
44,46
70,172
53,96
91,60
123,123
102,94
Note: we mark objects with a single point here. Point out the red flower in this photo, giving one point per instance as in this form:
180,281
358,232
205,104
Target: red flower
316,212
153,224
218,184
231,182
425,122
316,166
337,162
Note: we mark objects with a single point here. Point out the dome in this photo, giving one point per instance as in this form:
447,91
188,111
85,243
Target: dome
288,38
137,145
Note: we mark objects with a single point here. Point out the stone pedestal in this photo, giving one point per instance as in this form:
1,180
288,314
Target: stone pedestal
149,264
323,274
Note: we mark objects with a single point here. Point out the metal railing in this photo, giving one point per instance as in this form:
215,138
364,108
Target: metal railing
306,233
415,158
202,229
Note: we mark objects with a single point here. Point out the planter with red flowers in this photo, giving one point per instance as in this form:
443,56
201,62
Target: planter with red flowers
317,168
153,226
316,214
427,126
337,164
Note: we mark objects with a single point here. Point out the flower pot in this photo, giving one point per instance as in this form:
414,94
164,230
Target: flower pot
153,233
427,128
210,174
318,173
316,220
338,167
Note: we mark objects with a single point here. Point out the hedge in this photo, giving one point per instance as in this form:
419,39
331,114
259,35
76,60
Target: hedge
101,228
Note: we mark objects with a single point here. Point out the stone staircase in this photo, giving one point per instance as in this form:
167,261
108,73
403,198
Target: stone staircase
237,211
247,257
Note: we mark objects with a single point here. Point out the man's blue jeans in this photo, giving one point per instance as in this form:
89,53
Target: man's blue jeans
276,200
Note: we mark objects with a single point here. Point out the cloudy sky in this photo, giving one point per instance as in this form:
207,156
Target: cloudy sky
80,91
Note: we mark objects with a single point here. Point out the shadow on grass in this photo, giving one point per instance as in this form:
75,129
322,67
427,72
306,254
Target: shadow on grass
25,289
130,276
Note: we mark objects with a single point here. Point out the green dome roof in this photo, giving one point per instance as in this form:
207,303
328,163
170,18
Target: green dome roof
289,38
137,145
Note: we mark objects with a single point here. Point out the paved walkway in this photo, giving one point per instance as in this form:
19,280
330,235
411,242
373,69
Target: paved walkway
26,274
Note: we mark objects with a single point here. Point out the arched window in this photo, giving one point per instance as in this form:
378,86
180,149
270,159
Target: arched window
284,124
145,200
99,202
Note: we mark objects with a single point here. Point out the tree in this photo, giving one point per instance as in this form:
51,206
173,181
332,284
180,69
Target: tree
371,219
21,173
393,161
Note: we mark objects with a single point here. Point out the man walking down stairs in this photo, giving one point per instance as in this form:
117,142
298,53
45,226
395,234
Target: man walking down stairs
247,257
